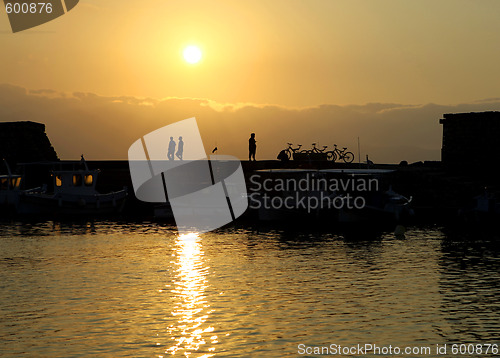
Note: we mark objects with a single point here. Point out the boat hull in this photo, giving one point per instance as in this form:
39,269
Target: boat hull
33,203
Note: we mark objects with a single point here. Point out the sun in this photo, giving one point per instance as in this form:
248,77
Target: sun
192,54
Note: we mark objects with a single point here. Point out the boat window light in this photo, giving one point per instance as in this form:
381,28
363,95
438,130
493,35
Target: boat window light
88,180
77,180
15,183
4,183
58,180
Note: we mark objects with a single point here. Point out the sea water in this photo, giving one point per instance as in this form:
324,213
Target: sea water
121,289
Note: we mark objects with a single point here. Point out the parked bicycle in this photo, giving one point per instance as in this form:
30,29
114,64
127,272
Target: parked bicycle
337,154
317,150
314,149
314,154
290,150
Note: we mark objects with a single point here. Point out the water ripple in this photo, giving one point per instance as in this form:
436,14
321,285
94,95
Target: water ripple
138,289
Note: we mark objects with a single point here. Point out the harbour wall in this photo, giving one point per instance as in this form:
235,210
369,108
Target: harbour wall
438,193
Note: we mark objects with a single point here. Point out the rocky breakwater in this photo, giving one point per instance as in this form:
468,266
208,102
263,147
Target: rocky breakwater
22,142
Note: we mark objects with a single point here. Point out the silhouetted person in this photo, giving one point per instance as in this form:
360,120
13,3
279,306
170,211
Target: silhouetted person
252,147
171,149
180,149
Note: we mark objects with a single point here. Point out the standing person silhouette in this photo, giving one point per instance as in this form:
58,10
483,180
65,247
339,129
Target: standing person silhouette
252,147
171,149
180,149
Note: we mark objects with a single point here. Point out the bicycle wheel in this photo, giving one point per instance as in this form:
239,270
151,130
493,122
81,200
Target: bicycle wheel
348,157
331,156
289,154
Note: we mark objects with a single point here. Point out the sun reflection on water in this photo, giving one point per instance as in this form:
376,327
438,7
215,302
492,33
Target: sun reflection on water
191,309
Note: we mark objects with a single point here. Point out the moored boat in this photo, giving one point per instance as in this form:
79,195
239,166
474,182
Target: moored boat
328,195
10,189
73,192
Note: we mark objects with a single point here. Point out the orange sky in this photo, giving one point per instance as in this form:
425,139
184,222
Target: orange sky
289,53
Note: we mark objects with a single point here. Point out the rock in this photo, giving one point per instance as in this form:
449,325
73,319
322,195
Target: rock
22,142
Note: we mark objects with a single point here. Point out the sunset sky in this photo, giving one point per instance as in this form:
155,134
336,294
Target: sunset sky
288,56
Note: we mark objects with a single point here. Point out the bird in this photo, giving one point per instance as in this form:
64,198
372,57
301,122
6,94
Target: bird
369,163
214,150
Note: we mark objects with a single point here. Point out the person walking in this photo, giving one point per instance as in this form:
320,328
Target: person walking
171,149
180,148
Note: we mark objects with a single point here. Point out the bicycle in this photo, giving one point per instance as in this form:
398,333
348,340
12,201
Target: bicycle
291,151
316,150
315,153
336,153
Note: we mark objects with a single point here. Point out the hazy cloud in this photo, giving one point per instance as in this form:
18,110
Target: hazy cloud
104,127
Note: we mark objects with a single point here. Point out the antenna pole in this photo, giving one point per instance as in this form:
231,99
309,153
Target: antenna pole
359,154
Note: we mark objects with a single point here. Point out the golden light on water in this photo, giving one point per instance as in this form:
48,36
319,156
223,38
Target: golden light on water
191,308
192,236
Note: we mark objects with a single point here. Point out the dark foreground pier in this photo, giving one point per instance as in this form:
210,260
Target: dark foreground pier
439,193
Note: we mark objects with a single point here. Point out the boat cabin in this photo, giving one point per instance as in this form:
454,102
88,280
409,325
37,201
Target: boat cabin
10,182
75,181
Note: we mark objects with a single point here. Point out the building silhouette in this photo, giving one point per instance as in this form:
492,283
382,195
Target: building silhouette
470,139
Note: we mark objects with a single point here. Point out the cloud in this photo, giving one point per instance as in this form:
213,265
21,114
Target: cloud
43,91
104,127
